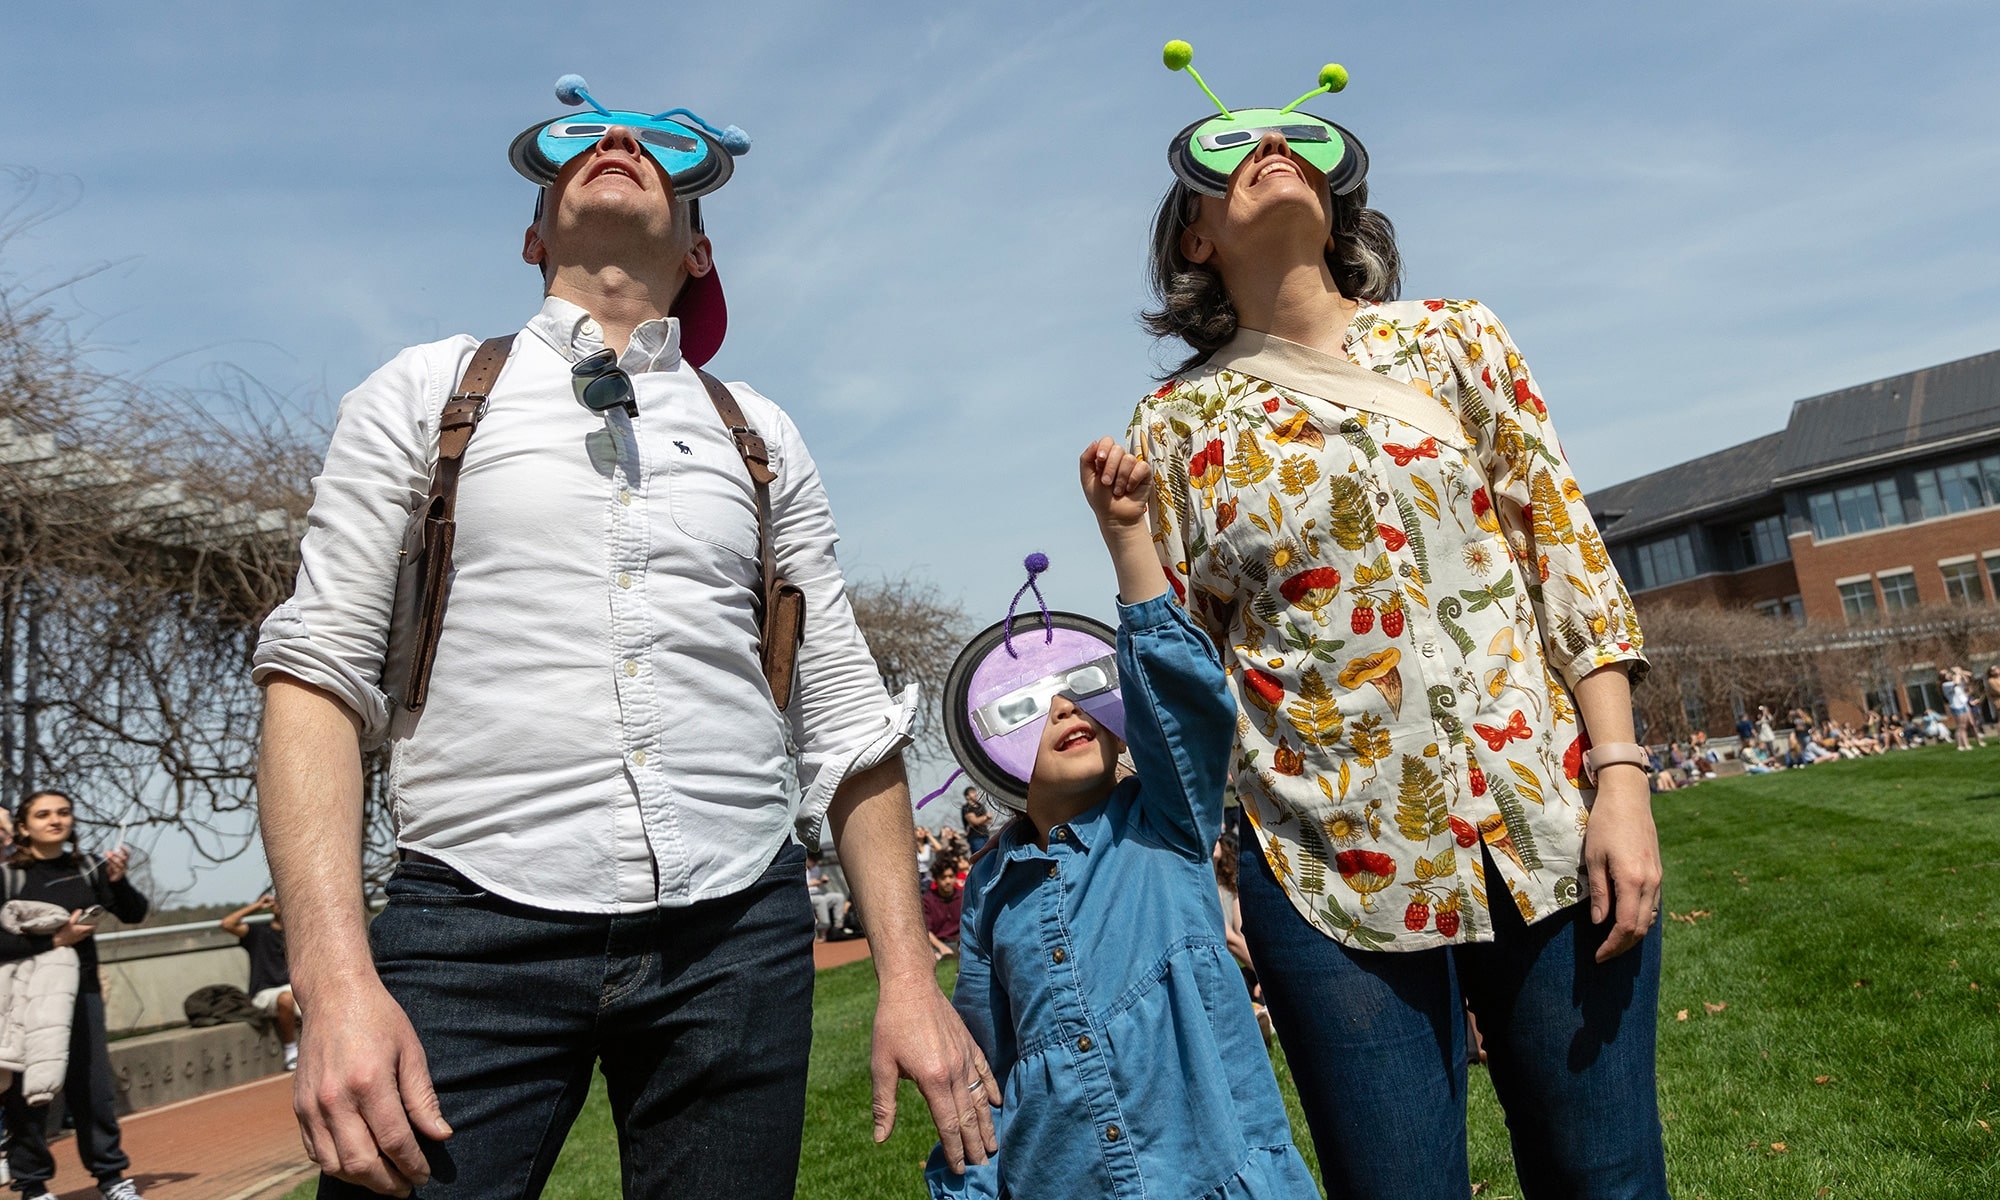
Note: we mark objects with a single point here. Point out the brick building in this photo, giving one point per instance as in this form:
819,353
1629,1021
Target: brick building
1872,501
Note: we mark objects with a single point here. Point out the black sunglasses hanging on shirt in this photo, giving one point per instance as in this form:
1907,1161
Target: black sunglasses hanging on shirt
602,385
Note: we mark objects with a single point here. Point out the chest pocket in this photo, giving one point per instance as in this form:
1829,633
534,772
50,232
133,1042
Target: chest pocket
709,489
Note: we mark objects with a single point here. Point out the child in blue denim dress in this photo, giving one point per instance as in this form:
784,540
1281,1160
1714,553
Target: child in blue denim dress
1093,969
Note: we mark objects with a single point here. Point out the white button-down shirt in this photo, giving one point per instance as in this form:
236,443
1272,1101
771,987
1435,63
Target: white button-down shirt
598,735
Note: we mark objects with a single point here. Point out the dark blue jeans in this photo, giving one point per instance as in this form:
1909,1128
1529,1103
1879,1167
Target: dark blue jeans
701,1018
1376,1042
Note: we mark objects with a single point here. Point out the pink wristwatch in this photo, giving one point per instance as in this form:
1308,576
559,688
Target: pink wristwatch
1597,758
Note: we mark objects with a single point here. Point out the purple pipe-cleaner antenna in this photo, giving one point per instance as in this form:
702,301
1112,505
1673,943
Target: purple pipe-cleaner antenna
942,788
1036,563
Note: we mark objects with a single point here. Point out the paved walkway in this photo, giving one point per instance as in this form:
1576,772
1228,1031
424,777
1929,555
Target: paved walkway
237,1144
242,1143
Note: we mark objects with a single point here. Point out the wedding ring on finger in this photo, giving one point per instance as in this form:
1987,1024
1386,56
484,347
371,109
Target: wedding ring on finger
975,1085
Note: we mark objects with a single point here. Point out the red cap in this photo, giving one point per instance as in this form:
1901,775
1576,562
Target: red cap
703,315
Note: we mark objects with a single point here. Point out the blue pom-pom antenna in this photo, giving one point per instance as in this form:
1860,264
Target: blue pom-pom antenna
1036,563
570,89
734,140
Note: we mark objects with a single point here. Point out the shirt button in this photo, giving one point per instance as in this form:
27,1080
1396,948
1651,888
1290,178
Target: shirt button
1112,1133
1061,833
624,495
1083,1043
1058,956
1430,649
631,667
1054,870
638,758
624,580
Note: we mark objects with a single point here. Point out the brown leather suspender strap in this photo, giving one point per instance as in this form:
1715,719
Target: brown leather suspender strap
423,578
781,606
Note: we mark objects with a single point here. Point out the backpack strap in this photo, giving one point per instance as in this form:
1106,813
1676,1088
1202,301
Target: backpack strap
424,576
781,605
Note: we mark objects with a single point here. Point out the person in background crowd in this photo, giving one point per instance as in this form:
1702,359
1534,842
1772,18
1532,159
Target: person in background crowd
1746,731
1971,687
943,901
1765,734
1992,690
1226,866
829,902
977,821
270,976
926,851
1663,776
1958,701
48,866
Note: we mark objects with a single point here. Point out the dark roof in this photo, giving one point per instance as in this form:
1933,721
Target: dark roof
1928,409
1711,483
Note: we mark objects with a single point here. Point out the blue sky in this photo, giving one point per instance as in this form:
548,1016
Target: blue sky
1689,215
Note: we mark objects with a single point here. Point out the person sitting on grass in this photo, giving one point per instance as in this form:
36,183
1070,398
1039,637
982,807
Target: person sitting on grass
270,976
1093,965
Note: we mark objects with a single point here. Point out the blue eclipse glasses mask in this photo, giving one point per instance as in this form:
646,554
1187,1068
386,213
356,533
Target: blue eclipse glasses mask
697,157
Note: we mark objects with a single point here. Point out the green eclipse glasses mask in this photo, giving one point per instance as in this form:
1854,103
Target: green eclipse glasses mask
1207,152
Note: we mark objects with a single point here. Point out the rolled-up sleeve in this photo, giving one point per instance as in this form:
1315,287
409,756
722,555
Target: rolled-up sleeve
843,719
332,633
1586,618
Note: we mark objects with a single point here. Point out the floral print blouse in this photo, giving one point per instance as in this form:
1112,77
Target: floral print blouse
1407,585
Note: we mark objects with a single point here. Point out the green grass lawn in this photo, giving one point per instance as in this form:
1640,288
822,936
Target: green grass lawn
1829,1022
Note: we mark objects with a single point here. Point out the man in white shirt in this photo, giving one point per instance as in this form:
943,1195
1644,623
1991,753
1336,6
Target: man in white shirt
599,804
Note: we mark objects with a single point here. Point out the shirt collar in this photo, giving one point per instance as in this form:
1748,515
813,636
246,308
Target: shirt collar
573,333
1334,379
1016,843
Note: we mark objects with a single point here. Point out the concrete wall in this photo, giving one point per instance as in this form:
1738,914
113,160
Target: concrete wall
179,1064
147,973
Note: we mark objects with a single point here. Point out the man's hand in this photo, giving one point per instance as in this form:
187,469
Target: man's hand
363,1086
919,1037
1621,853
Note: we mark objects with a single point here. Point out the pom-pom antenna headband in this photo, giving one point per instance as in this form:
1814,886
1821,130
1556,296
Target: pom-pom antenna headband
1207,153
999,690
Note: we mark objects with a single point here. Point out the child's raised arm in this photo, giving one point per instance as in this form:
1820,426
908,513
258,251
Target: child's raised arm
1118,484
1180,719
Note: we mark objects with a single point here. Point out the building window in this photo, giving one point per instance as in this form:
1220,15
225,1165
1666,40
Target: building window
1899,590
1961,582
1959,487
1790,608
1993,572
1665,561
1856,509
1857,599
1921,685
1762,541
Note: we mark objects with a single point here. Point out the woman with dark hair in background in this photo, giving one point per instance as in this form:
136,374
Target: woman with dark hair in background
46,865
1365,504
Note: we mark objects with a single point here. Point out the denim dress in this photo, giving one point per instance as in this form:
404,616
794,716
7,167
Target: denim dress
1095,977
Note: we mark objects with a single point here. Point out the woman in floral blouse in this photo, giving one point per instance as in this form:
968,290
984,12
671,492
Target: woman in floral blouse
1365,504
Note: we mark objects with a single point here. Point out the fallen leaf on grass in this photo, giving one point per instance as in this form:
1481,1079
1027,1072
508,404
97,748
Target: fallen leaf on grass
1714,1008
1777,1147
1863,982
1689,918
1822,1193
1822,1080
1682,1015
1984,1125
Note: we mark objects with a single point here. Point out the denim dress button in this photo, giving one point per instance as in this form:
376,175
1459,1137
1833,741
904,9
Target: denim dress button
1058,956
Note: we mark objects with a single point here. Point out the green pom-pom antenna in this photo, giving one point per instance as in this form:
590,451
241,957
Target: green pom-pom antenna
1179,56
1332,78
